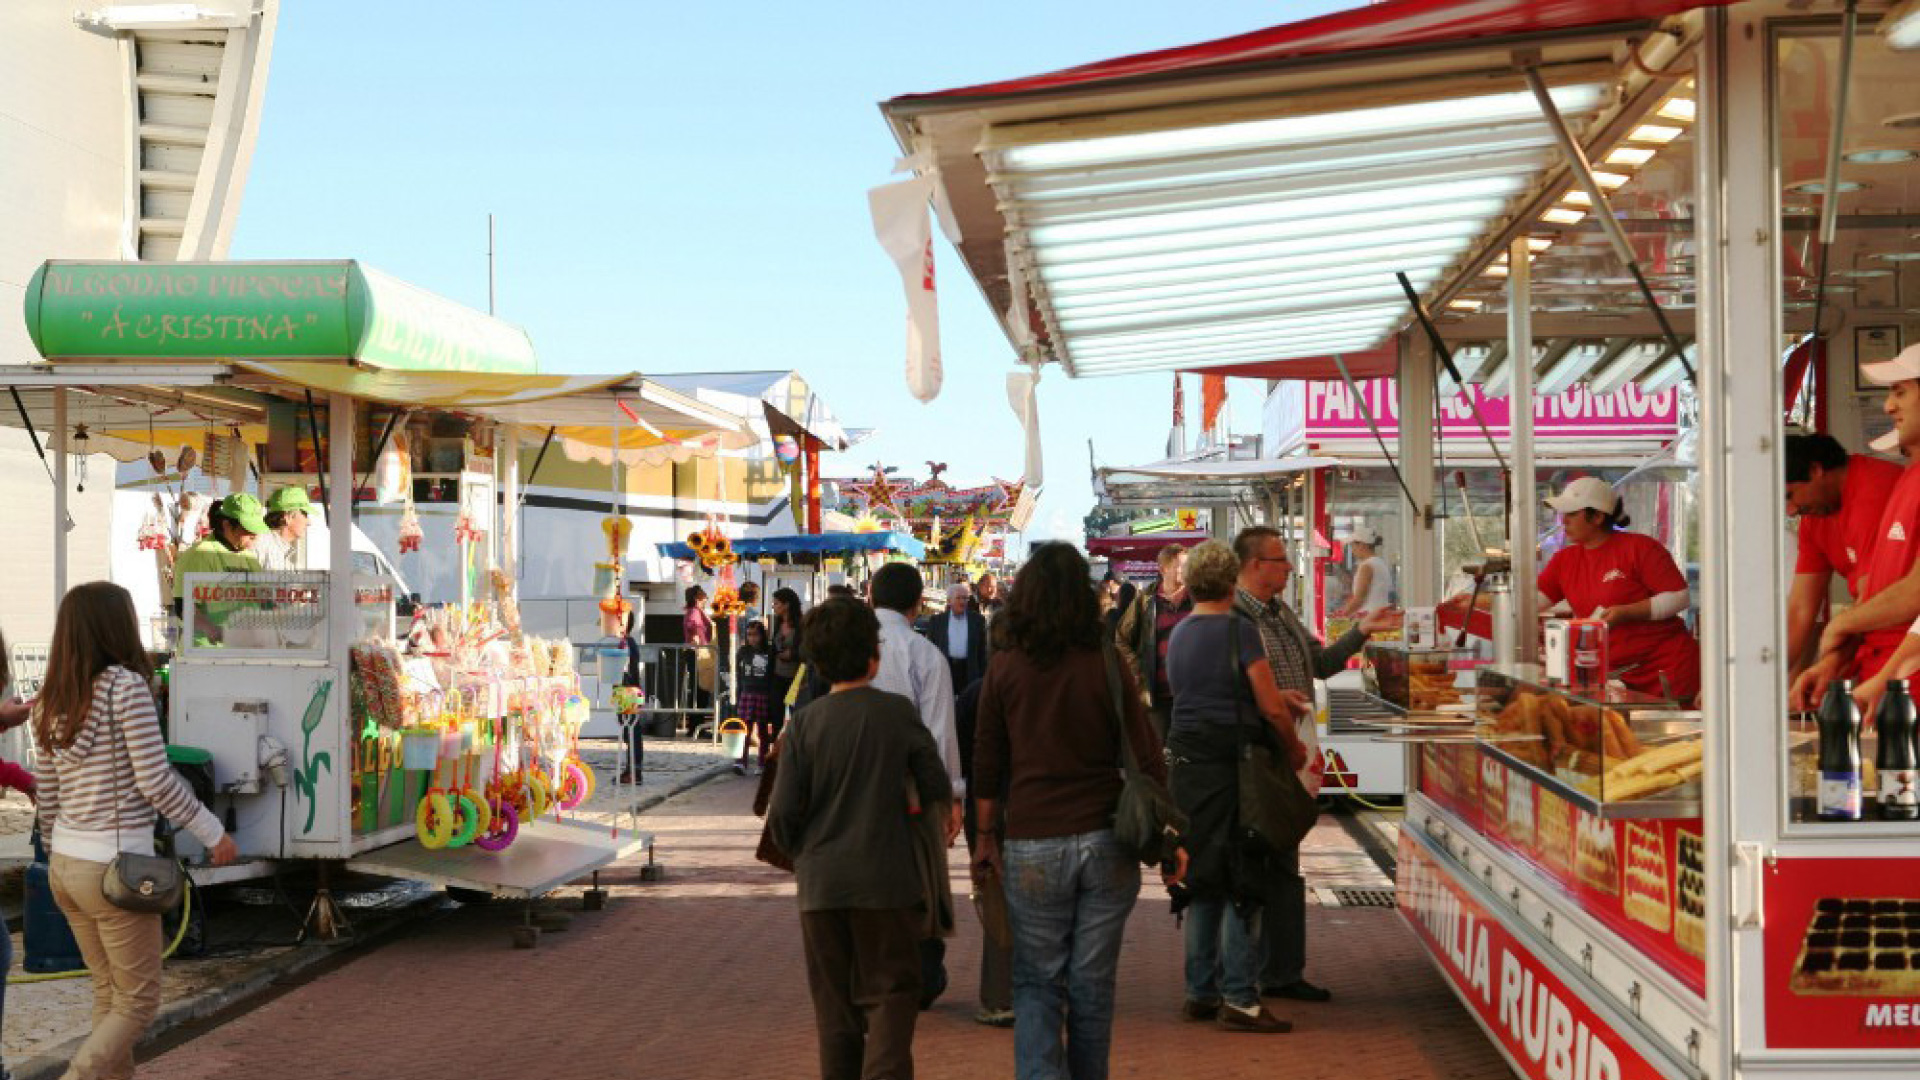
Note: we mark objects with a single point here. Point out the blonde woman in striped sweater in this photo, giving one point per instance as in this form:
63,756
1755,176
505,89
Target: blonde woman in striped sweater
104,774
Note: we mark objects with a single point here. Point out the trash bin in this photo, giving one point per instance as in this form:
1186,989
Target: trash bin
49,944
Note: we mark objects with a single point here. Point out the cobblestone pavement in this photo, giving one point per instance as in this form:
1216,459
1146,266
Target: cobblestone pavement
700,976
252,929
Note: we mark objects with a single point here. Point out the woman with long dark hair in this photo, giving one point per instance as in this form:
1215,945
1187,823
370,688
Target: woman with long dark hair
105,774
784,636
1045,790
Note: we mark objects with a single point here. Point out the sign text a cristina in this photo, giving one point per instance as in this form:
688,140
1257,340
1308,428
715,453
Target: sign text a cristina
1332,413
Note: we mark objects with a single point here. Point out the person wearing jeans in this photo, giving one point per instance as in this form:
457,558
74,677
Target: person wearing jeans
1045,784
1224,697
1068,898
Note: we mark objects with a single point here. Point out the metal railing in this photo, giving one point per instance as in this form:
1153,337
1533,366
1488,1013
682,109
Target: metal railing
675,684
28,663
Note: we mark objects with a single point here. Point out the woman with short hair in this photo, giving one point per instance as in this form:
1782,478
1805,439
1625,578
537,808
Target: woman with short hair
1224,696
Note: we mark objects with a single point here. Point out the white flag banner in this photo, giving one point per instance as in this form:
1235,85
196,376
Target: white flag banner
1021,387
900,223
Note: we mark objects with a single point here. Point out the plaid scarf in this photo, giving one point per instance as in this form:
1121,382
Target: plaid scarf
1283,638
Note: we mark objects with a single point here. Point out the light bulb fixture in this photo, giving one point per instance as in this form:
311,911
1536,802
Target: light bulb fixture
1659,134
77,455
1563,215
1819,187
1678,108
1879,155
1629,155
1610,181
1901,26
1897,256
1466,304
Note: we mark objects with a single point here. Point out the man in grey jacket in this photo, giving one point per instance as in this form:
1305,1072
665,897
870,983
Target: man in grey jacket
1297,658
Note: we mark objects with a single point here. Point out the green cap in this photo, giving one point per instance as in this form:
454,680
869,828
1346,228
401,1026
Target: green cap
289,499
245,509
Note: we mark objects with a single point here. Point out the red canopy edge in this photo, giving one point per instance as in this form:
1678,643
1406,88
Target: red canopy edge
1382,362
1394,24
1139,547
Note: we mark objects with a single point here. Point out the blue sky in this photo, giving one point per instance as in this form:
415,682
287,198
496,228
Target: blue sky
683,188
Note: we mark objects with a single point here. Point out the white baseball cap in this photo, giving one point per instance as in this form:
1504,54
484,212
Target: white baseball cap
1586,493
1899,369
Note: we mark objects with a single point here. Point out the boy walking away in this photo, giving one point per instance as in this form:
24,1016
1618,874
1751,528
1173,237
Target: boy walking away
841,812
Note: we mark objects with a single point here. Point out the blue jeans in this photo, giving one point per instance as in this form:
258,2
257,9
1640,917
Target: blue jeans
1068,899
1223,959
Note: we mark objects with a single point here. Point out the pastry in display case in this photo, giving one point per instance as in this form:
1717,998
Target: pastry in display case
1417,680
1610,745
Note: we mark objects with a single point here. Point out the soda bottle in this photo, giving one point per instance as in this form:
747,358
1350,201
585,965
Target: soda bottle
1839,798
1899,758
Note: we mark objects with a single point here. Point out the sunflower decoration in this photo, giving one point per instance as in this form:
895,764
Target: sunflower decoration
727,602
712,548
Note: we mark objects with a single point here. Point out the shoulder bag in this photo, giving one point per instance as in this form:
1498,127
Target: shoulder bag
1276,812
1145,819
147,884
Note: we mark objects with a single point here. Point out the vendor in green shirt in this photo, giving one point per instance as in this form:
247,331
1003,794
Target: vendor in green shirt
235,523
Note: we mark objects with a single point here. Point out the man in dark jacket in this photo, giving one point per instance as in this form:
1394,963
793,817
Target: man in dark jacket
841,810
961,635
1144,629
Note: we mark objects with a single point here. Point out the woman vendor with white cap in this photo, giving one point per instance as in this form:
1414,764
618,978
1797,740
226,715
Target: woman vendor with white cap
1631,582
287,512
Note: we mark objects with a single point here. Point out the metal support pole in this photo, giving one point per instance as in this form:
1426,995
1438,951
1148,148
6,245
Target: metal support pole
1602,210
60,520
1741,599
1523,500
338,466
1420,547
509,450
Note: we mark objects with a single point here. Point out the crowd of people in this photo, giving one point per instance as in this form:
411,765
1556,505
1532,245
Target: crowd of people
1005,719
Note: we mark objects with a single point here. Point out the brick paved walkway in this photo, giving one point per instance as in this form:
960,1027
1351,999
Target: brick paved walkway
700,976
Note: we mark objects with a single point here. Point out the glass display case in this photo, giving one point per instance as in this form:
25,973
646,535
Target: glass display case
1418,680
1614,752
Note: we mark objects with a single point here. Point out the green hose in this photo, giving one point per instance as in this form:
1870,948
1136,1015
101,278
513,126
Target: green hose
186,913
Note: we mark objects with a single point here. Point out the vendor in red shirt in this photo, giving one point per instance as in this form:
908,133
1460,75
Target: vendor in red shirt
1858,641
1631,582
1839,498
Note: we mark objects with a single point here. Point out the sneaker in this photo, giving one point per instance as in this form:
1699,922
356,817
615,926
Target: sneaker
1299,990
1199,1010
1000,1018
1257,1021
739,769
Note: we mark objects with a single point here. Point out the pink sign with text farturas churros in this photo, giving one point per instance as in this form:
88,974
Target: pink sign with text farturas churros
1333,413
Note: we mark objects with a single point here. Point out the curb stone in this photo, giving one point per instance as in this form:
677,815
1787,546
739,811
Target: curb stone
50,1064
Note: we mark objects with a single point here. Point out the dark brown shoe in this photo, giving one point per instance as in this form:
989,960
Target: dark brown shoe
1261,1022
1199,1010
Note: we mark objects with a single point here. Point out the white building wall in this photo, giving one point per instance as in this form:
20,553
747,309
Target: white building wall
64,149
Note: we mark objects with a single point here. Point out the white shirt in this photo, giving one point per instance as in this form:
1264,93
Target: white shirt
1380,586
912,667
275,554
957,636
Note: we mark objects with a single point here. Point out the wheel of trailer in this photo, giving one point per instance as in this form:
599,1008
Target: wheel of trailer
467,897
526,937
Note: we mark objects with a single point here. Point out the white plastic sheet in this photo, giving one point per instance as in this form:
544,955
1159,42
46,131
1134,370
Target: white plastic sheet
900,223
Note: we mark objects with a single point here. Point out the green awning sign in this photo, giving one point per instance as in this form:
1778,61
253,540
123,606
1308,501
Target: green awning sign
262,310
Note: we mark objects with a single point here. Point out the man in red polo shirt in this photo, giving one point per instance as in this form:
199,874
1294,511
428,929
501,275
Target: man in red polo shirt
1839,498
1860,640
